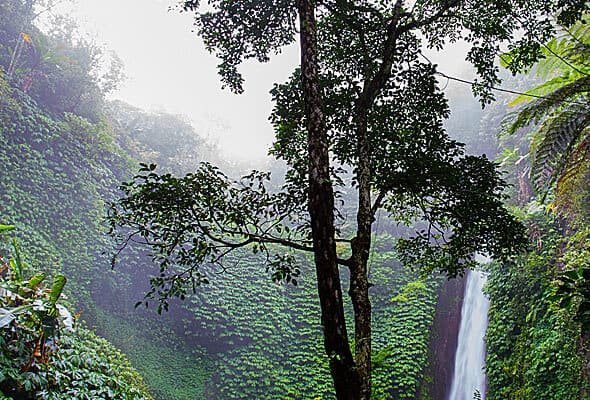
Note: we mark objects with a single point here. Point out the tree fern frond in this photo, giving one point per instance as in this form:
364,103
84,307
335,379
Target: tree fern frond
576,160
566,52
580,31
559,134
538,109
544,89
555,60
573,180
579,54
560,147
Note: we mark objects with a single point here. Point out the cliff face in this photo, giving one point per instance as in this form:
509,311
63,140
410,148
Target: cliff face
443,342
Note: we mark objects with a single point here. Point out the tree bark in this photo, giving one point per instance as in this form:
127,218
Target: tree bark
359,279
361,244
321,210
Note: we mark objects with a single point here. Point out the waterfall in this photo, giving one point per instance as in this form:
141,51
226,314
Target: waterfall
469,374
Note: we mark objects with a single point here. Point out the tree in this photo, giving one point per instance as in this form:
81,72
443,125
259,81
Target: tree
61,69
164,139
364,111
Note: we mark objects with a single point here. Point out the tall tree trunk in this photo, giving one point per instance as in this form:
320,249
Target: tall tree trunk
359,280
321,210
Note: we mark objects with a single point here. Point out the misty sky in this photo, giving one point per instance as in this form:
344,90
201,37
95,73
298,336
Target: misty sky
168,69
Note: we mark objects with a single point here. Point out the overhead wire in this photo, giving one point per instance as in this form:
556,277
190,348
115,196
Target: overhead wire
498,89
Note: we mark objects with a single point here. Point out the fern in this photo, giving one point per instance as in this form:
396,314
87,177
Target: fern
559,110
567,51
539,109
577,159
574,177
542,90
559,133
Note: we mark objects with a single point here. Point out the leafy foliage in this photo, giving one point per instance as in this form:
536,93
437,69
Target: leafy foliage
58,201
572,286
532,345
418,171
342,99
268,341
173,369
60,69
210,217
163,139
88,366
42,355
560,109
418,174
363,26
559,155
29,319
232,334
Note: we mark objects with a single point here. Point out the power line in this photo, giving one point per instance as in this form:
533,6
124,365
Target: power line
498,89
563,60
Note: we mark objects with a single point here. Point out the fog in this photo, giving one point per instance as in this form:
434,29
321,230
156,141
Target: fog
168,69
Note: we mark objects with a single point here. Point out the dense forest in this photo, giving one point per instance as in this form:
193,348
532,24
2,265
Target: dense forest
392,226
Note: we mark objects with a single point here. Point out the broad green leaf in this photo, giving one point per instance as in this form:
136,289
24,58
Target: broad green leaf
56,289
17,263
6,317
36,280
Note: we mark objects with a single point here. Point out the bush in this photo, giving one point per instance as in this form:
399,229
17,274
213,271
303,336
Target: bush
42,354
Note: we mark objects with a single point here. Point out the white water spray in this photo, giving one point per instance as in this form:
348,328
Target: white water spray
469,375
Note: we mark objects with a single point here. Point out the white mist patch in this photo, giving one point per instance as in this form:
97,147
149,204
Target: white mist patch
469,375
168,69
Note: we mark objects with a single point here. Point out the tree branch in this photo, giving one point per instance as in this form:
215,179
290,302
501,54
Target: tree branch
435,17
377,204
373,86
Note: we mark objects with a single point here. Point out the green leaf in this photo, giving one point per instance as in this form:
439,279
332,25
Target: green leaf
56,289
6,317
6,228
36,280
17,264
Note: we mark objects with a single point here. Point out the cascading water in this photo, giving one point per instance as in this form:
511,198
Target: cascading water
469,375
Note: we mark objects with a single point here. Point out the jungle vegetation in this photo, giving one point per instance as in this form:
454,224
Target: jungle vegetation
368,107
416,194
